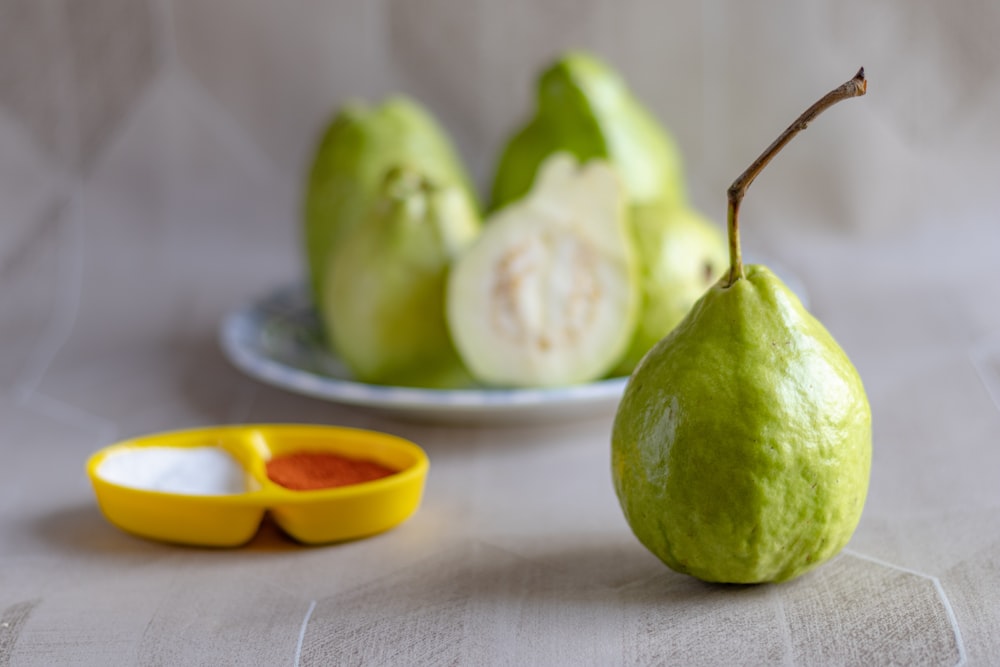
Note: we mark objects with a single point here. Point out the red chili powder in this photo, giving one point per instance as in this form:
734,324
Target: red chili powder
307,471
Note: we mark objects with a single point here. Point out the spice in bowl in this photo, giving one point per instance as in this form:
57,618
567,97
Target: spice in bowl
199,471
310,471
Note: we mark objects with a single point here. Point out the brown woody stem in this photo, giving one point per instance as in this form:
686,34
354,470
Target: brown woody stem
853,88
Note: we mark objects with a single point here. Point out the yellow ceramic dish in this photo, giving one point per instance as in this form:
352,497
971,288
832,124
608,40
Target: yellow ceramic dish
313,517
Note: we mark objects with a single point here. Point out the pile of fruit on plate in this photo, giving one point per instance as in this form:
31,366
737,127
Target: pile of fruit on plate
587,254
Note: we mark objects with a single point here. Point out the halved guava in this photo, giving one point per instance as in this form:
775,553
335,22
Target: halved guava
548,294
584,107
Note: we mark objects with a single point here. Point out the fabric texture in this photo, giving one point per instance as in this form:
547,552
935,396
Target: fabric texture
152,155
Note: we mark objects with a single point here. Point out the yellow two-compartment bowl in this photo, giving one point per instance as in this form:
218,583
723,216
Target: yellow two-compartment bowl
312,517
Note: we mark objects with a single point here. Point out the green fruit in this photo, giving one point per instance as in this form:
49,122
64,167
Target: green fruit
741,448
681,255
548,294
361,144
383,300
585,108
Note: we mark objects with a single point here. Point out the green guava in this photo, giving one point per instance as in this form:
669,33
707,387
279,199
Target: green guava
383,297
741,448
359,147
681,255
585,108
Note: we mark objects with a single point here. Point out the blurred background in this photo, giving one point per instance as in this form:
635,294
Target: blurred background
153,152
152,163
221,100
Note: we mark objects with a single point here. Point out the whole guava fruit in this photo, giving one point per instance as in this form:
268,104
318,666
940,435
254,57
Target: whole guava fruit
681,254
741,448
360,145
383,297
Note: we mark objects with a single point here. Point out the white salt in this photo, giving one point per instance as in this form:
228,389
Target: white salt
203,471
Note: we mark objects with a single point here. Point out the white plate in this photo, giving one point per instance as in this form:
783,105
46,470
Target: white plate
276,339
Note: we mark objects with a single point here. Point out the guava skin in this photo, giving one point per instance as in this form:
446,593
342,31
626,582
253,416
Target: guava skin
585,108
359,147
680,256
741,449
384,294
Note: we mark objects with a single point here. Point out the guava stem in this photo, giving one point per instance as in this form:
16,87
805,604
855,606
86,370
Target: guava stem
853,88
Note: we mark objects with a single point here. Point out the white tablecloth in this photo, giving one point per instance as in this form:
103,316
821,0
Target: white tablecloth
117,267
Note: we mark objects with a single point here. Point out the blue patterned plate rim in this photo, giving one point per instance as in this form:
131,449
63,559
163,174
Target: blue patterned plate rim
276,340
